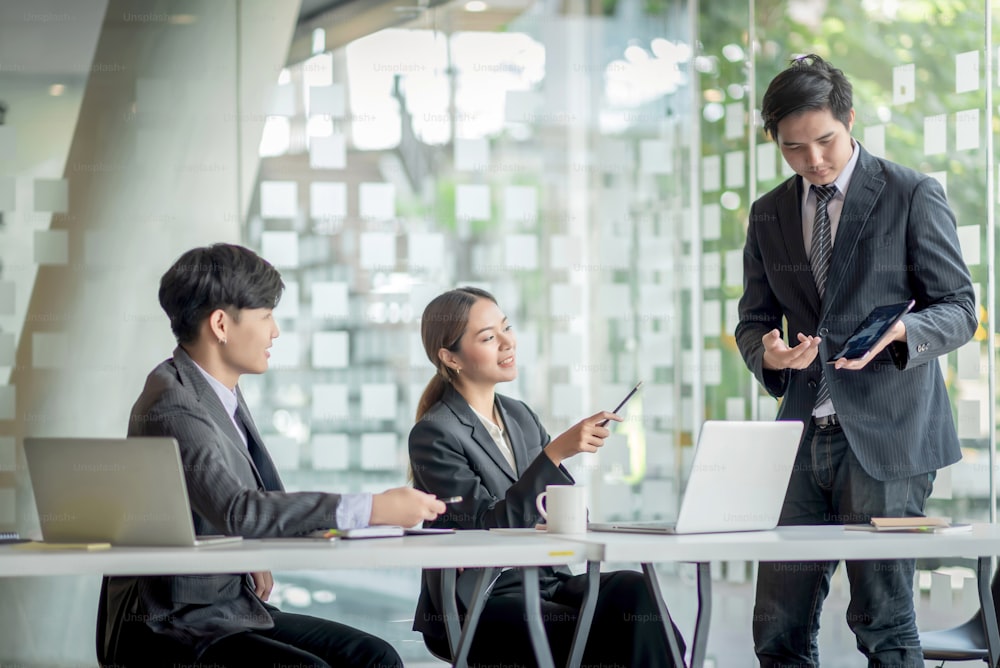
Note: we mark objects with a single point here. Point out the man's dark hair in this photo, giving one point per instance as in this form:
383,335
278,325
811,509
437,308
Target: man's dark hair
808,84
222,276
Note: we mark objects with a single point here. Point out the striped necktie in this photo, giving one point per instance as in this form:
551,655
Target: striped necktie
819,259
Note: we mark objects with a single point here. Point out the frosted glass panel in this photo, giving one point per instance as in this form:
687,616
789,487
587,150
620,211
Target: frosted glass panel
8,193
51,195
8,453
8,401
279,199
280,248
331,452
380,451
377,201
520,203
327,200
472,154
328,152
521,251
327,100
472,202
49,350
330,350
51,247
379,401
378,251
286,351
425,250
7,350
329,401
329,300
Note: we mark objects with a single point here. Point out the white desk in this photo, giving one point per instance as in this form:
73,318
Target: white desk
821,543
465,549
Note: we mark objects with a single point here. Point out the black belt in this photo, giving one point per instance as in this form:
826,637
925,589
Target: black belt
826,421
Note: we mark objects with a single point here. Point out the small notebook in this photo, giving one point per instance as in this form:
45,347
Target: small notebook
911,525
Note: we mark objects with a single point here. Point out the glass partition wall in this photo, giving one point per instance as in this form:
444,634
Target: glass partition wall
592,164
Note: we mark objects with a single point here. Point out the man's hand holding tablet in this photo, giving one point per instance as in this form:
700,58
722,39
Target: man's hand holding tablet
882,326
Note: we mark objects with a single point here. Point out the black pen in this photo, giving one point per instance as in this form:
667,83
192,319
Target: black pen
624,401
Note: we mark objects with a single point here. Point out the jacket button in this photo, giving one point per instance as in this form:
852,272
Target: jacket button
823,331
811,384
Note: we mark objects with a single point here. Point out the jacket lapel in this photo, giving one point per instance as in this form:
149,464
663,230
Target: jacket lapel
266,469
191,376
460,407
863,192
789,209
516,437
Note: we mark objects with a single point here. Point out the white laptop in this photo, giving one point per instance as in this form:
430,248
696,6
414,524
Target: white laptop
123,491
738,480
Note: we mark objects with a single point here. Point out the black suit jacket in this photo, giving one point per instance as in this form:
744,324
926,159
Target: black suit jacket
452,454
228,496
896,240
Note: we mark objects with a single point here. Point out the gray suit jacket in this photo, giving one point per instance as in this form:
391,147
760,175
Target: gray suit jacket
896,241
452,454
228,496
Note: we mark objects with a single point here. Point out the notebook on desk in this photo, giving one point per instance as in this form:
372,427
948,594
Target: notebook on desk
123,491
738,480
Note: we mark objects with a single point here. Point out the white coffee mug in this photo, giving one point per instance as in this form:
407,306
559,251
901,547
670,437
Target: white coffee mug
564,508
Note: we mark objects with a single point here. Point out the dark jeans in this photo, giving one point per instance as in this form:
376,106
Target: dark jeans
295,641
829,486
626,631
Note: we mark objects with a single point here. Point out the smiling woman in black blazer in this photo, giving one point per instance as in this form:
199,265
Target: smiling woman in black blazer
492,451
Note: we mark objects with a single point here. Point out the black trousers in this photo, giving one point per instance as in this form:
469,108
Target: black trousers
298,641
627,629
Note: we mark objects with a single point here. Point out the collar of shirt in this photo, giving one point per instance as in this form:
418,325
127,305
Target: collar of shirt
496,431
226,396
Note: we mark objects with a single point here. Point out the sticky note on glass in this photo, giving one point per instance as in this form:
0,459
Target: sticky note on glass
379,401
735,169
711,173
472,202
329,300
8,193
521,251
8,401
327,199
425,250
378,251
280,248
379,451
520,205
969,238
286,351
7,349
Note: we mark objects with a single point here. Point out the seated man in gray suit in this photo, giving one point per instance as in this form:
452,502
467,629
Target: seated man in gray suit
219,300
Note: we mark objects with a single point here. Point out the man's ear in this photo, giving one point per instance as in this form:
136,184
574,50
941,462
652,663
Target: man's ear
218,325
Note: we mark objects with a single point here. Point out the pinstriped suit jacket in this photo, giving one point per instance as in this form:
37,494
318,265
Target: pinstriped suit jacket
896,240
452,454
227,497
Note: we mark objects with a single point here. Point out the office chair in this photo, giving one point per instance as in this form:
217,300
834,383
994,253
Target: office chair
965,642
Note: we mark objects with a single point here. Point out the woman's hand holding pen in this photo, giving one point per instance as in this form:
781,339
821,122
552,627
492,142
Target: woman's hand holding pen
587,435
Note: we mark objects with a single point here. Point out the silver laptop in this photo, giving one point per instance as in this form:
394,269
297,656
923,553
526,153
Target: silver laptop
123,491
738,480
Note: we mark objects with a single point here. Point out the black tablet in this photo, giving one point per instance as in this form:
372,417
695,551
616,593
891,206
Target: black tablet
875,326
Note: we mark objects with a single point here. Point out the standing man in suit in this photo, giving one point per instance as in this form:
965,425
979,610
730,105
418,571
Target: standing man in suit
848,233
219,300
